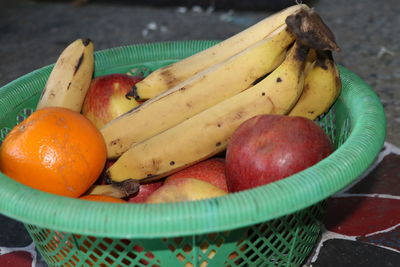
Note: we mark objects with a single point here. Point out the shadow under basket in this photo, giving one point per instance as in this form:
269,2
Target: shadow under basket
272,225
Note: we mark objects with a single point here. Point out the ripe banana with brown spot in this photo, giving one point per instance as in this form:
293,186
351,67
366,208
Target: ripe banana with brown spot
118,190
70,78
196,94
208,132
321,88
167,77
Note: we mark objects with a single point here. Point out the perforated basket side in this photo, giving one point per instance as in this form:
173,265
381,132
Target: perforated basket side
286,241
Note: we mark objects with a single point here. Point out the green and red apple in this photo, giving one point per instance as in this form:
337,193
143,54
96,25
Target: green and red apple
109,97
211,170
185,190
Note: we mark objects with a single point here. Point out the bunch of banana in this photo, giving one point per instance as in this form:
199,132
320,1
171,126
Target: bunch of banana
207,133
290,72
197,93
70,78
171,75
119,190
322,87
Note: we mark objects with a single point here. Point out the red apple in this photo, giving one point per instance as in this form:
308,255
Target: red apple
267,148
210,170
185,190
108,97
145,190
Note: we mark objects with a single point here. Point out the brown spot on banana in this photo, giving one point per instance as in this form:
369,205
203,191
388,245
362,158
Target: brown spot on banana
279,79
155,164
273,109
52,94
115,142
79,63
151,177
168,76
239,115
69,85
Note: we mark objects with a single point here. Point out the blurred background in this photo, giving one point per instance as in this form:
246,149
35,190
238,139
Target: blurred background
34,32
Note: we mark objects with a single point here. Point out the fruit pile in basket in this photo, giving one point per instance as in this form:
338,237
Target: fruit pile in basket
237,115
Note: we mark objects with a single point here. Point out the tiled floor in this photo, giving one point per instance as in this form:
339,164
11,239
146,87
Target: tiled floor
363,222
361,228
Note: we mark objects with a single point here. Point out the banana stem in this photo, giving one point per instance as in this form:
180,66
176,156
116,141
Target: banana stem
116,189
310,29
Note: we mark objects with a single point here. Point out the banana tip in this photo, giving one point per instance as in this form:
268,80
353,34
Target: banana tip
133,93
128,186
86,41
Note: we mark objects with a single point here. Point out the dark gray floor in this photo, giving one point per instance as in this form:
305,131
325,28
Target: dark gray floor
33,34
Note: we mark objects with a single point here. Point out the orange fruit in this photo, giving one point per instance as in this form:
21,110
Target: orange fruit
102,198
55,150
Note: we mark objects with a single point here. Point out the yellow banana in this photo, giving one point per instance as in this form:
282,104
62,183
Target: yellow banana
321,88
70,78
196,94
312,56
171,75
118,190
208,132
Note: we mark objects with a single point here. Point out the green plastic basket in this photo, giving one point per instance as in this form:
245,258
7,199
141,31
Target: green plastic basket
277,224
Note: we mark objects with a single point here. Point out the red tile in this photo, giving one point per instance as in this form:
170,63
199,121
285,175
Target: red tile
16,259
358,216
384,179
